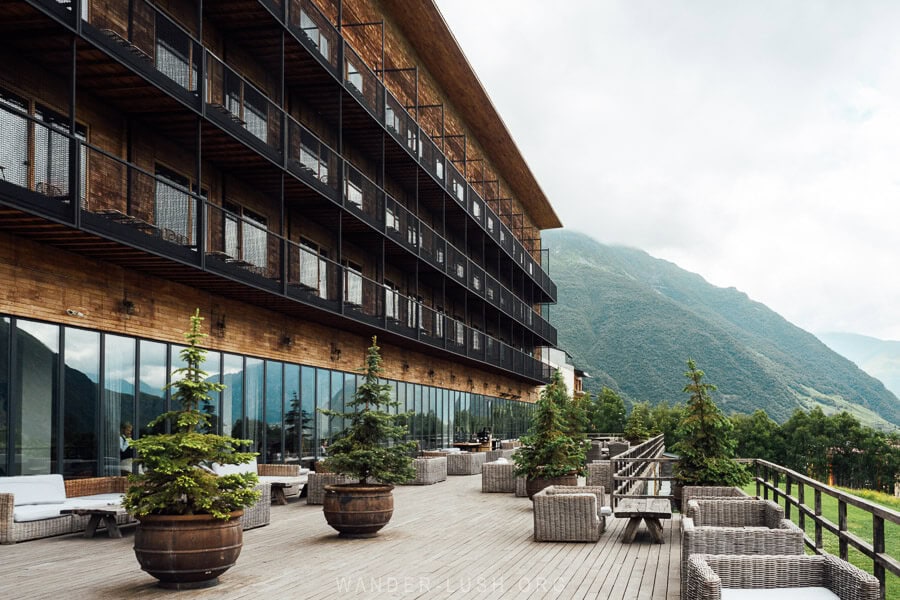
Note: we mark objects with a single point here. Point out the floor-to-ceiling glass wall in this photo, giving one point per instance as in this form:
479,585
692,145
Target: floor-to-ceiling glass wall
69,394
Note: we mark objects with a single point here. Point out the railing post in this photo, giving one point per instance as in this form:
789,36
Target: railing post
818,511
842,528
801,501
787,497
878,547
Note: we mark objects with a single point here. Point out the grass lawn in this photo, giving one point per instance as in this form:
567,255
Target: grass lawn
859,523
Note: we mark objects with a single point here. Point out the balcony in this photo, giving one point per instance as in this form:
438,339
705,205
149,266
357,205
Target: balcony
168,219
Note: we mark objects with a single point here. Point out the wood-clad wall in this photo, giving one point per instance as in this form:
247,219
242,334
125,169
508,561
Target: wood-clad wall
41,282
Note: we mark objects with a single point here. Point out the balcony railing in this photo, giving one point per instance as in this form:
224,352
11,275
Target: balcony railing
311,159
157,40
161,207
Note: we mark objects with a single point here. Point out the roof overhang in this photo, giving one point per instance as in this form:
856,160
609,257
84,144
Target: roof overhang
424,25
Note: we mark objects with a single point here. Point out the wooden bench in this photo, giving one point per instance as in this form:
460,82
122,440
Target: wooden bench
651,510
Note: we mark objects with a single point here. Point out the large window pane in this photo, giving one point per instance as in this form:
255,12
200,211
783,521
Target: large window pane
36,375
153,371
233,396
82,402
253,403
274,411
323,400
118,403
292,416
4,398
309,437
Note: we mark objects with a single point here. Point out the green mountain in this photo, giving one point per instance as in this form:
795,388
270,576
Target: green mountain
878,358
631,321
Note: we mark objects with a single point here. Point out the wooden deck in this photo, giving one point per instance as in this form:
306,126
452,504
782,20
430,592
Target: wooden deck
444,540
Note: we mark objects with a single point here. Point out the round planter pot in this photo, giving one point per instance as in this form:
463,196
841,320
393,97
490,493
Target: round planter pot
356,510
188,551
533,486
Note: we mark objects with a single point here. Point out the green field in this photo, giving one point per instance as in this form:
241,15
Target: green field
859,523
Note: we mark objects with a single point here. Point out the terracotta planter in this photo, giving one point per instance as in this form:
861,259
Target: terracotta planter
188,551
533,486
357,510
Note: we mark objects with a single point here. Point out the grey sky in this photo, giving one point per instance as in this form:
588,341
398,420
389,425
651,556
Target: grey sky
755,143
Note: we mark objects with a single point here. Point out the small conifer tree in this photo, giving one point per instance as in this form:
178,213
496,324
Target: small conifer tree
706,447
372,446
176,476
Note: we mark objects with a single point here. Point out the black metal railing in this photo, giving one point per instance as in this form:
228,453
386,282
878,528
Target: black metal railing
637,468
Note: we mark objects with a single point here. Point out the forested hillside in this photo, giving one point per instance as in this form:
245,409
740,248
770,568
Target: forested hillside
631,321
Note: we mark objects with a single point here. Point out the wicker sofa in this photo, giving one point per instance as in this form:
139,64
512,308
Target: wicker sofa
30,504
777,578
565,513
737,527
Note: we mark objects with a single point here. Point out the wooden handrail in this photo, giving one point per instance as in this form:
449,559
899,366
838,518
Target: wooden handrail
768,479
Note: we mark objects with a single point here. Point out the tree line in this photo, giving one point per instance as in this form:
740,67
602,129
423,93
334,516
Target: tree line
834,448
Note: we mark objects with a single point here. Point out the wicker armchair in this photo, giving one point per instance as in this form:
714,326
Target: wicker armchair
498,477
707,575
521,487
569,514
737,527
315,485
429,470
600,473
493,455
693,492
465,463
260,513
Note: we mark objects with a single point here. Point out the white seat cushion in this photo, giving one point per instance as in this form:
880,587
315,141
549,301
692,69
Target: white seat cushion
34,489
37,512
285,480
94,501
792,593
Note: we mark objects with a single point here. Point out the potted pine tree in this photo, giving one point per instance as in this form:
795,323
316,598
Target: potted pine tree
189,529
553,452
370,450
705,446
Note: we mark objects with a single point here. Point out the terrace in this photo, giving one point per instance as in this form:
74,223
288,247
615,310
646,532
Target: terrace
444,540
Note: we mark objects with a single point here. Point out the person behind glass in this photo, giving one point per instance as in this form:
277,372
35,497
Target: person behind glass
126,452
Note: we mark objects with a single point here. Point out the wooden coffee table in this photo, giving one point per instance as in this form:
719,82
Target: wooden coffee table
106,514
651,510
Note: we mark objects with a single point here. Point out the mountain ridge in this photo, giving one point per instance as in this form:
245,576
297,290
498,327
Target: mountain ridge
632,320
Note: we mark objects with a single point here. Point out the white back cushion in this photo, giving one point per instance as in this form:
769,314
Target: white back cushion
249,467
34,489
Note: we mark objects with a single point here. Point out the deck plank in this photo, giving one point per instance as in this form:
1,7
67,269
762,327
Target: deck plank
444,540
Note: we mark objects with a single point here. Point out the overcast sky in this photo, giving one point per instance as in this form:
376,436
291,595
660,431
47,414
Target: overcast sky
756,143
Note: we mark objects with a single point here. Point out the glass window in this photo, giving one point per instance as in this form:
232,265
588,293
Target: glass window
233,396
153,370
4,387
118,404
353,284
323,400
255,113
82,400
293,418
253,403
51,154
309,435
174,57
274,411
14,138
36,373
176,209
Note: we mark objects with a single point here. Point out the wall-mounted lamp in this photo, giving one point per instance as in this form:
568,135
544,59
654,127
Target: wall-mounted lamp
405,366
335,353
431,373
286,340
220,326
127,306
74,312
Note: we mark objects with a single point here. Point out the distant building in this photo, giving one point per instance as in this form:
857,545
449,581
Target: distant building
308,173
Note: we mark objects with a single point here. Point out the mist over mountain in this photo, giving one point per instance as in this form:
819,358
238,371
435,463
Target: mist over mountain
878,358
632,321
